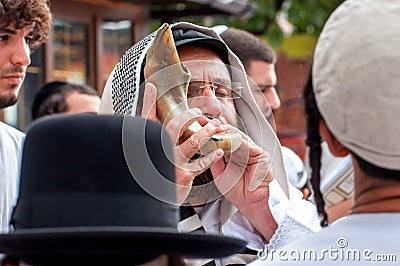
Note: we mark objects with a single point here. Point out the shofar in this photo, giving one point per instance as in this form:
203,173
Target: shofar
164,69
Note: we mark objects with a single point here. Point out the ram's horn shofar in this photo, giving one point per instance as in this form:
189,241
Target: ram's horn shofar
164,69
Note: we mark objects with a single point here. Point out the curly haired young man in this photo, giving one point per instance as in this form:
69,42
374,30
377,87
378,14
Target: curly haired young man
24,26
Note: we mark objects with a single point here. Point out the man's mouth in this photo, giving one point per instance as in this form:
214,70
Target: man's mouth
14,78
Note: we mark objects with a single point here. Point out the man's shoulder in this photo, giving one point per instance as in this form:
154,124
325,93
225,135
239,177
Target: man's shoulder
11,138
356,229
361,236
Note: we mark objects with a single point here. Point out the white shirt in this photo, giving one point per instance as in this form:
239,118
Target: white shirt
295,218
357,239
10,153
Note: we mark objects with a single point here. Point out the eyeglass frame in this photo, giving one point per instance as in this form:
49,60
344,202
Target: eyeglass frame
233,91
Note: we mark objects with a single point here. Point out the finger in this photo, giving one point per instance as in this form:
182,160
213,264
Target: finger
149,110
261,174
228,173
261,179
230,177
218,168
193,144
179,124
233,130
193,169
241,155
248,153
186,172
202,163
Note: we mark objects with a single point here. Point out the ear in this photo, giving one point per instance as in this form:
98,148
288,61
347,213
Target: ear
336,148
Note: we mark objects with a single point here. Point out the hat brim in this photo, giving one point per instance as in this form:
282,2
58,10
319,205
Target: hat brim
120,242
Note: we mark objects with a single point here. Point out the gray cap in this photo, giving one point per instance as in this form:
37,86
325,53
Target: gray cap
356,80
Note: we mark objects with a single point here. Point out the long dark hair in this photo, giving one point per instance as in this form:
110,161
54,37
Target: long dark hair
313,141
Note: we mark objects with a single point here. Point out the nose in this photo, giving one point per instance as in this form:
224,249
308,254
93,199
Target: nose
20,54
208,90
207,103
273,99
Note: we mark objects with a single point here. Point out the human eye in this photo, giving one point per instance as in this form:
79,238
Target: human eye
258,91
222,91
4,37
29,38
193,89
266,87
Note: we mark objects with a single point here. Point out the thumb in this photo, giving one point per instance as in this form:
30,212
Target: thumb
149,110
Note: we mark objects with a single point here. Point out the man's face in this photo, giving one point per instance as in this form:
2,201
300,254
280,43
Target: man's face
209,88
14,59
82,103
263,86
207,91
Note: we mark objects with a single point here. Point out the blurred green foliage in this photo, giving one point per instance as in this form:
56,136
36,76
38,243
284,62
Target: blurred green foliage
306,17
309,16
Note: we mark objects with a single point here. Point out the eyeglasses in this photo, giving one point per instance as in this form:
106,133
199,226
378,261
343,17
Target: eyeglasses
220,91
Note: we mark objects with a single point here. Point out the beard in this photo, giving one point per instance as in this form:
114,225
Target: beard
203,189
9,97
9,93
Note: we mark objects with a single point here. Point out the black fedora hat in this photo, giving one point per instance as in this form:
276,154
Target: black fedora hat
82,200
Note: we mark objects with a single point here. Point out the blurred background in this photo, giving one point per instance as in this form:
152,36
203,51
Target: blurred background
89,36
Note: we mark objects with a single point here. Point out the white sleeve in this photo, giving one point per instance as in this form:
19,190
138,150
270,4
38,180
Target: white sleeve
238,226
301,218
295,218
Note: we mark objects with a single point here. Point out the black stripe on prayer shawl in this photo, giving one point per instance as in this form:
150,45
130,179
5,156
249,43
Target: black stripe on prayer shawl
187,212
212,263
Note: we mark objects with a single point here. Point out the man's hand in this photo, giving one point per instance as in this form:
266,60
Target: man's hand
243,178
186,169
